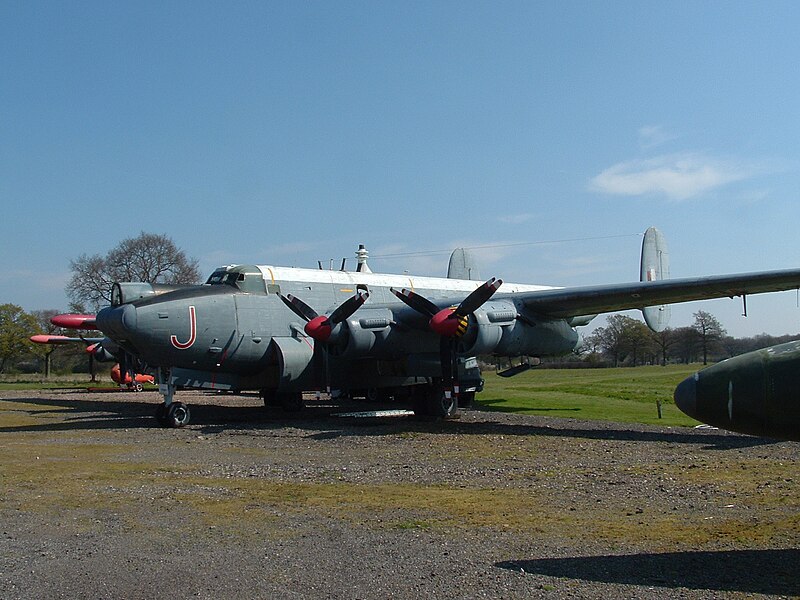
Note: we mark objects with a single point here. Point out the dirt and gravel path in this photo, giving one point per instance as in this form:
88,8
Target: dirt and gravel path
97,502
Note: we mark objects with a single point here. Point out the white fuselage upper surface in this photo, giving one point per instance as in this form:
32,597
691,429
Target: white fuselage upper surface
440,286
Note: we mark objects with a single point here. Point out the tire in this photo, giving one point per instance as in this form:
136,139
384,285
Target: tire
178,415
430,401
161,415
291,401
270,397
466,399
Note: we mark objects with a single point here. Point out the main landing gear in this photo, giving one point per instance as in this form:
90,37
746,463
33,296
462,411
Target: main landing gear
170,413
288,401
173,415
434,400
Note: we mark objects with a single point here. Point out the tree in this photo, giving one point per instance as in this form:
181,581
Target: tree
621,336
149,258
16,326
709,331
664,340
43,324
637,339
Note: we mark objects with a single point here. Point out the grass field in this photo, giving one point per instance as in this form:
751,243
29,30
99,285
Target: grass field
627,395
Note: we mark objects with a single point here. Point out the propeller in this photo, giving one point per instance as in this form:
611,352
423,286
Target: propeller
450,323
320,327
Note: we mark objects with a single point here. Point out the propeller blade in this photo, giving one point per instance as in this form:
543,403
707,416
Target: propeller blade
419,303
348,307
300,308
477,297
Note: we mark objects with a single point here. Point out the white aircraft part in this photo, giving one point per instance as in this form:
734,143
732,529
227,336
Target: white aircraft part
463,266
348,279
655,267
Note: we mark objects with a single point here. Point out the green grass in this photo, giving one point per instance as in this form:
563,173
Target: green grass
626,395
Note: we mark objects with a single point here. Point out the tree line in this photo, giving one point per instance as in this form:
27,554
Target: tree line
625,341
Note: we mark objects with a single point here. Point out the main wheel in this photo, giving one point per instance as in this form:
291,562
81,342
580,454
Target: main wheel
178,415
270,397
466,399
291,401
430,400
161,415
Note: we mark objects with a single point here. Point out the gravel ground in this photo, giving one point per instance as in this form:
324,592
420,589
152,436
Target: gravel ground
246,502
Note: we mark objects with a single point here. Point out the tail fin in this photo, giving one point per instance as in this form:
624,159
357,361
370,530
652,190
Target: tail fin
463,265
655,266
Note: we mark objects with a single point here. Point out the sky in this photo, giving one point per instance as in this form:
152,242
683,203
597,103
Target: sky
547,136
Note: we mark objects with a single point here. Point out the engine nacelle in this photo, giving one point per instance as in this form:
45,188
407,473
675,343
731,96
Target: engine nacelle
374,333
499,327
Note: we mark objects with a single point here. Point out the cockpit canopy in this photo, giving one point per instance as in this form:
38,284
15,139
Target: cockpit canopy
247,278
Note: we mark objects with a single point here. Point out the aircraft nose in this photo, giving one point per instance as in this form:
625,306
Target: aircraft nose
686,396
117,321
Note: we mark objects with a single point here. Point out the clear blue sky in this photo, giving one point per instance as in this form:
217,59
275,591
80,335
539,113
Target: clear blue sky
284,133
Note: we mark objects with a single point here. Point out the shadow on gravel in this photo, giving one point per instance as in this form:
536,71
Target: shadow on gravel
214,416
750,571
75,414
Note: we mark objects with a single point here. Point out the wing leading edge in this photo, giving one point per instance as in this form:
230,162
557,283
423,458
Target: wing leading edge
571,302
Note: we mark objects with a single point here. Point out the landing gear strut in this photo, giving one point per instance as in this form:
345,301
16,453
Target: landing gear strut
170,413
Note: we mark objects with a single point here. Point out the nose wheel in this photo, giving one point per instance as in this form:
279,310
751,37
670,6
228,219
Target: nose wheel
175,415
169,413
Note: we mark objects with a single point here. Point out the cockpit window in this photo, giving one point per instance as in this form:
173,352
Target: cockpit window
217,277
251,282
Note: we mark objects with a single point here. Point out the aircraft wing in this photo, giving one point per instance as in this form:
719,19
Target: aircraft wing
571,302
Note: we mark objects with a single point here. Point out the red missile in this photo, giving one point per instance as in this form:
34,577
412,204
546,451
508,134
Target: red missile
52,339
74,321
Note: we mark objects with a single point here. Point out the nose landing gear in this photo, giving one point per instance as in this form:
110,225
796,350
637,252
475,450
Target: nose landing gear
170,413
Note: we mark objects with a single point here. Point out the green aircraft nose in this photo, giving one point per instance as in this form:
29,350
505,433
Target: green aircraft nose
757,393
686,396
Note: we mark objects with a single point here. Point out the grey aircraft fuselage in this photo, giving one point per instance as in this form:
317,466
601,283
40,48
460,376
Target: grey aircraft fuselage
235,332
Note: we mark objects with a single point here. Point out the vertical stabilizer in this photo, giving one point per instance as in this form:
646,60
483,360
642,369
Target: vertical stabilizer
654,267
463,265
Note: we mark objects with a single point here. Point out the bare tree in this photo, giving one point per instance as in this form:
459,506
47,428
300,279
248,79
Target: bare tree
664,340
149,258
709,330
